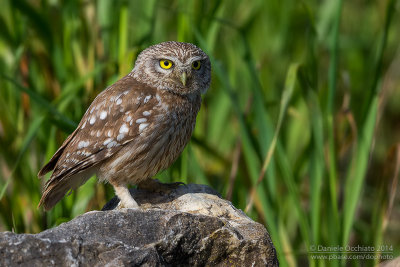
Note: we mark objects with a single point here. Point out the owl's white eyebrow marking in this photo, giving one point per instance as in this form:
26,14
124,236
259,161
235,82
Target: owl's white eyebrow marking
82,144
124,129
103,115
142,126
120,137
119,101
141,120
147,98
108,140
83,126
92,120
146,113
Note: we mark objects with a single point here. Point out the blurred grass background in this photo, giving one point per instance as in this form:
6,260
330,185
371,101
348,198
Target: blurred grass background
300,128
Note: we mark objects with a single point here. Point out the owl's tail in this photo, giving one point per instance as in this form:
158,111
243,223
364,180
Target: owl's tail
57,187
53,193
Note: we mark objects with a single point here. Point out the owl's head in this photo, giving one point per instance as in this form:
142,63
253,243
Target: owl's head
180,67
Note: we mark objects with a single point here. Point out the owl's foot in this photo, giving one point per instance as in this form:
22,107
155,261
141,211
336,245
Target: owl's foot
125,198
153,185
129,205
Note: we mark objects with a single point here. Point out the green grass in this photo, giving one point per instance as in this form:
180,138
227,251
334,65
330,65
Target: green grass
300,127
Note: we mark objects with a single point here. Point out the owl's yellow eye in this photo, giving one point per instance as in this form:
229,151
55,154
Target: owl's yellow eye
196,65
166,64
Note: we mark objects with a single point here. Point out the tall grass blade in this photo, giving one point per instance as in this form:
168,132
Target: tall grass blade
41,102
355,180
286,96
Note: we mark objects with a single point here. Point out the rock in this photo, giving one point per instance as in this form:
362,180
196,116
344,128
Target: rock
391,263
190,226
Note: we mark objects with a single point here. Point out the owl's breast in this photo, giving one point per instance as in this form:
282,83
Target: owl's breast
175,129
182,120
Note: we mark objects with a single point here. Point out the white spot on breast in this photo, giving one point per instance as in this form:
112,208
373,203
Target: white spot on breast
142,126
119,101
108,140
124,129
158,98
91,111
164,107
146,99
103,115
141,120
126,92
82,144
146,113
98,133
109,133
83,126
120,137
92,120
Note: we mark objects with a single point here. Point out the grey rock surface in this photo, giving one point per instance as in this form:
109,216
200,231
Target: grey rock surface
190,226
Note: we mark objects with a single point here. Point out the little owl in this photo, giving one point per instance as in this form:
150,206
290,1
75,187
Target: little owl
134,128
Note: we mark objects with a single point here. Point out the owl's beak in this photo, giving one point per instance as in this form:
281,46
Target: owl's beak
184,78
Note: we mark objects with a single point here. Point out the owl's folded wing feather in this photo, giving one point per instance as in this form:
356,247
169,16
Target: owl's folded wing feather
117,116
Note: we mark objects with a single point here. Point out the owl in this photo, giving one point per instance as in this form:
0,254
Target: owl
134,128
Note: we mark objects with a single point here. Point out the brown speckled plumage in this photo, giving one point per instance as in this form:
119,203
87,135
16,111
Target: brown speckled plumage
136,127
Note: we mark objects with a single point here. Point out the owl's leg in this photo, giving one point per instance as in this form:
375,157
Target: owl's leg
126,200
153,185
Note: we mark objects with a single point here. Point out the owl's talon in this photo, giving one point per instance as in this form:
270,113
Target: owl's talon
126,206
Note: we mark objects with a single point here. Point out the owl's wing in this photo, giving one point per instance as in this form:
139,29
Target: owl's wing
53,161
116,117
